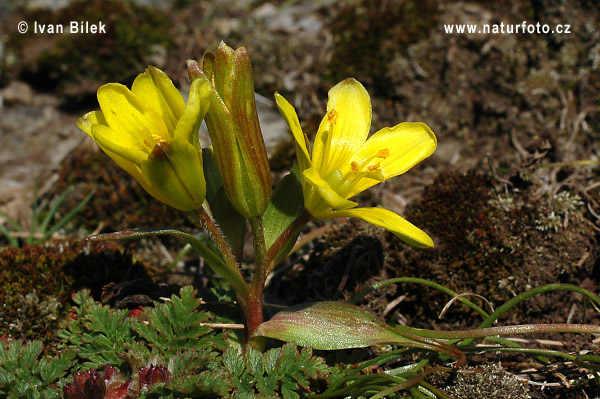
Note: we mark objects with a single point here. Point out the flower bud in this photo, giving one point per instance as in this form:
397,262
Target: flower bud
234,129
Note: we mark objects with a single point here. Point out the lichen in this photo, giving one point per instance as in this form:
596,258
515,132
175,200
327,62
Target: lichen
489,381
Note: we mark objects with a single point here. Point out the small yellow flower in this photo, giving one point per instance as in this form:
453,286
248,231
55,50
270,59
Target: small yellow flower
151,133
344,162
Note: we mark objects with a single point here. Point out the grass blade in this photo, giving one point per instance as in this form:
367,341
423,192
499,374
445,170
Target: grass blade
69,216
53,209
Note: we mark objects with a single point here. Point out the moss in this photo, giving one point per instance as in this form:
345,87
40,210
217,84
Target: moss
73,62
37,281
495,245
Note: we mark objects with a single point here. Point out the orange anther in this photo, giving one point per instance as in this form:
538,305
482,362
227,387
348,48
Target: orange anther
332,116
383,153
355,167
158,138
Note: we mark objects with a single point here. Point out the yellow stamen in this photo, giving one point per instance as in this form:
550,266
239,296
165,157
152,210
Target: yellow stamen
332,116
158,138
383,153
373,167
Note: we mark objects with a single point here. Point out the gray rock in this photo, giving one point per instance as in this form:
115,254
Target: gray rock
17,93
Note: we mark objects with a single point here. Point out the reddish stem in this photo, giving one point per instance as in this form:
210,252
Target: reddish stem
253,311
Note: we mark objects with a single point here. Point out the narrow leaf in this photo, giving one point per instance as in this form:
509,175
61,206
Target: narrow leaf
233,276
53,209
69,216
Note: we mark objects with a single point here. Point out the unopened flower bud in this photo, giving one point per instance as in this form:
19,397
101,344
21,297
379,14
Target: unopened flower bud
234,129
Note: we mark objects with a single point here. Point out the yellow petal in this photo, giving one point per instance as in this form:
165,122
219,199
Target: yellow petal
135,171
195,111
124,112
407,144
175,171
160,95
91,118
326,198
349,106
128,166
289,114
117,143
391,221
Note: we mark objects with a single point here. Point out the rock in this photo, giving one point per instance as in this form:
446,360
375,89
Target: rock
37,4
17,93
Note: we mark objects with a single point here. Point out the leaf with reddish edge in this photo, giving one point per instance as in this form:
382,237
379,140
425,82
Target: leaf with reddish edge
233,276
330,326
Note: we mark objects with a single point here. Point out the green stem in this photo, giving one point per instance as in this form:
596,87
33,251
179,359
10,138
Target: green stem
412,382
217,237
539,290
529,351
504,330
273,256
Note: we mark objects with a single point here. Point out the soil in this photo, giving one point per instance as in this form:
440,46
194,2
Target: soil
511,196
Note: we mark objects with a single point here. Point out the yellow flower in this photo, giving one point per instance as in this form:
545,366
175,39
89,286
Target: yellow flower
344,162
151,133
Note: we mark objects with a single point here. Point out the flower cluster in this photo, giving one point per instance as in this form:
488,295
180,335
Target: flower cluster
152,133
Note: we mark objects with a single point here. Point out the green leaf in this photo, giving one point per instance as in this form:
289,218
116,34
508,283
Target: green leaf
29,354
175,326
54,369
233,276
287,203
57,203
68,216
329,326
233,362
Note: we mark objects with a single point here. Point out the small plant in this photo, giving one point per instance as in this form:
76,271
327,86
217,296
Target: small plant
166,351
40,228
23,373
152,133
